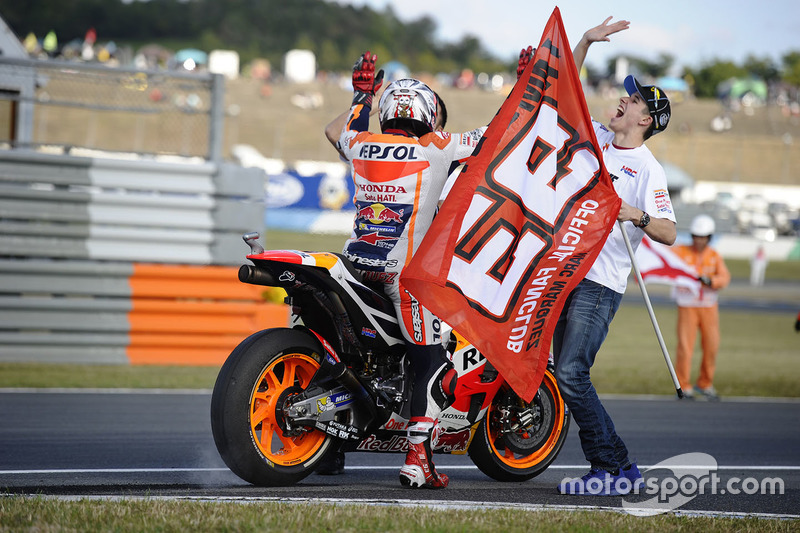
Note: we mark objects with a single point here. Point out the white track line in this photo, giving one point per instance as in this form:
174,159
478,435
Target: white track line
771,468
435,504
637,397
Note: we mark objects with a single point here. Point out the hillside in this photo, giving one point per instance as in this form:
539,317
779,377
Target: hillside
761,147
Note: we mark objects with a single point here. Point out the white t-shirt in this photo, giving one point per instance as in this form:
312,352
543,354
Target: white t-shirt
639,180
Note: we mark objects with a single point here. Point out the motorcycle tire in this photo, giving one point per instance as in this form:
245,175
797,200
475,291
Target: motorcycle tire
246,405
514,449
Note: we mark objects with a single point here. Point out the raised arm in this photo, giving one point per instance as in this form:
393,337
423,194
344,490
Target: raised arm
596,34
366,82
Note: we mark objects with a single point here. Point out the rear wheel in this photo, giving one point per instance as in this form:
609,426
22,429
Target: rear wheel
258,379
516,440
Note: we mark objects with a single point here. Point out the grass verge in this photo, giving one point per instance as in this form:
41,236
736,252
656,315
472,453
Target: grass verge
333,242
758,357
42,514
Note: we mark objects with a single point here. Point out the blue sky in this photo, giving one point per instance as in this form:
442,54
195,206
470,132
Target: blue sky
693,31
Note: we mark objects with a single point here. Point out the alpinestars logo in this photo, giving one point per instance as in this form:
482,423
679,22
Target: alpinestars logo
416,318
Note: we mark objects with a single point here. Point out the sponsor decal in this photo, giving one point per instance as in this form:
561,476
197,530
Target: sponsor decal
471,358
396,443
416,318
394,423
663,203
380,277
329,403
454,442
372,262
385,442
378,213
387,152
367,332
376,239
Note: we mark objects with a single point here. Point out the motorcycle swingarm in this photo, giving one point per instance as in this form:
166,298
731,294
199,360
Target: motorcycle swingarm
334,389
320,410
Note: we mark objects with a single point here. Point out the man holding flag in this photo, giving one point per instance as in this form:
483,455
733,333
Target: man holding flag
530,216
640,182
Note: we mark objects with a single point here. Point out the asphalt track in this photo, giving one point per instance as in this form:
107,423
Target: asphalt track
158,444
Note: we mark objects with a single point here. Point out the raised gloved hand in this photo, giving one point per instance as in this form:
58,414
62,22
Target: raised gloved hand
705,280
525,56
365,81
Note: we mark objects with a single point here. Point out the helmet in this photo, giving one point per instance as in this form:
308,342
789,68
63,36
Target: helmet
408,99
702,226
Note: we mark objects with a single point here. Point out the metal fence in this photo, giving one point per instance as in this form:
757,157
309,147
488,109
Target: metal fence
64,104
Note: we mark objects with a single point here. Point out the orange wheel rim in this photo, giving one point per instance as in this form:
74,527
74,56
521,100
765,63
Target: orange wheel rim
519,461
292,371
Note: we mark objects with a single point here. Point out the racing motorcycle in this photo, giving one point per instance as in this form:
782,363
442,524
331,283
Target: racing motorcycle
338,379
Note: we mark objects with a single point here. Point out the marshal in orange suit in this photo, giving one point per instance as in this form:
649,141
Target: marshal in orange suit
699,310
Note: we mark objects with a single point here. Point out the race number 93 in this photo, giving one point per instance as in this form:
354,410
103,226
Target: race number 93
544,180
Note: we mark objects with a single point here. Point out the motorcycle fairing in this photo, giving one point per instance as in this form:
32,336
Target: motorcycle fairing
373,317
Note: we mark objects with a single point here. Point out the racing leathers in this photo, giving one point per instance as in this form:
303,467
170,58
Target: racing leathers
398,180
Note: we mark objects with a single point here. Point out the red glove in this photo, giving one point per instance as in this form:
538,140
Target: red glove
525,56
365,82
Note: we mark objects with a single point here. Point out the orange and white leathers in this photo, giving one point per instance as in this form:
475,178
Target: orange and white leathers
398,180
699,311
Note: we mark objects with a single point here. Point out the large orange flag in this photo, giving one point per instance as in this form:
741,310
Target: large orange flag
524,222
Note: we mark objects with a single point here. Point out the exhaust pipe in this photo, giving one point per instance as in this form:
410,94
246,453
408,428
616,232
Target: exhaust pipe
256,276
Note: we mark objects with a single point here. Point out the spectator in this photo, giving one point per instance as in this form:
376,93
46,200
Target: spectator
758,267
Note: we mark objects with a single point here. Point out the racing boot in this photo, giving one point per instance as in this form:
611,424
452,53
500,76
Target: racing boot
419,470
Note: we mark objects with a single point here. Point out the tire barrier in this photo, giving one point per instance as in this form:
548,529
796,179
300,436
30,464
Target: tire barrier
127,261
137,313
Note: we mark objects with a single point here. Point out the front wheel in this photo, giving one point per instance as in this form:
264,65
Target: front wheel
517,441
253,386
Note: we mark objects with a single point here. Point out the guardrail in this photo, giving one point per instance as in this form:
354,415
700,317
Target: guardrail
116,261
89,312
69,104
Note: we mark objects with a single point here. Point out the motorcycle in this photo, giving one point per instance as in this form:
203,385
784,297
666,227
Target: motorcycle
338,379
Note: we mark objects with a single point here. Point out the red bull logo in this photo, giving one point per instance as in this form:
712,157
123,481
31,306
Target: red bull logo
390,215
454,442
379,213
366,212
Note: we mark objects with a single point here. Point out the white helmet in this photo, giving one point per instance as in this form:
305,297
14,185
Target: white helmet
408,99
702,226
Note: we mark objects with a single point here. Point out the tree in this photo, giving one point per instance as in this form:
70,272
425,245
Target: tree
791,68
711,74
763,68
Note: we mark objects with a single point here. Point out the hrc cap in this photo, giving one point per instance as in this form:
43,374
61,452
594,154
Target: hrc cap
656,99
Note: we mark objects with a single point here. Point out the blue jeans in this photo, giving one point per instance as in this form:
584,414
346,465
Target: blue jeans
580,331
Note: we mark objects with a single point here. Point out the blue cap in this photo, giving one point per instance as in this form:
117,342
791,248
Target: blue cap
656,99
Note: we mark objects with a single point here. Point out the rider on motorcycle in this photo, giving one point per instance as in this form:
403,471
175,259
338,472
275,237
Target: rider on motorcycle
399,175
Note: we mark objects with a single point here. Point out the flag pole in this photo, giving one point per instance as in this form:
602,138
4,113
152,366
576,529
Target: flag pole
650,311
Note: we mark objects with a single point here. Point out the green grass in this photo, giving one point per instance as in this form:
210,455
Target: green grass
287,240
776,270
42,514
57,375
758,357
